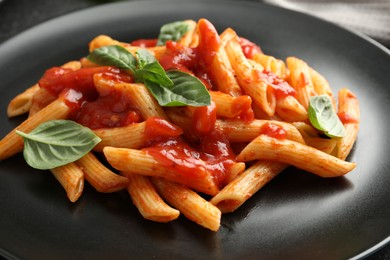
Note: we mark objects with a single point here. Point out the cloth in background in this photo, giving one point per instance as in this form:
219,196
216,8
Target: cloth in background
371,17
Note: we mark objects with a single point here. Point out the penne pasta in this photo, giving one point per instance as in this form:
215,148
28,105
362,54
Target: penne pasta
272,64
250,80
190,204
130,136
232,107
142,99
290,110
148,202
300,79
140,162
99,176
22,103
241,188
13,143
236,117
296,154
222,74
71,178
237,131
349,114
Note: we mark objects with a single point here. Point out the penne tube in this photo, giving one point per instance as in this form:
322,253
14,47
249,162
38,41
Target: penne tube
237,131
219,64
22,103
240,189
270,63
235,170
232,107
189,39
130,136
296,154
71,178
148,202
321,85
104,40
140,162
142,99
300,79
349,113
13,143
290,110
189,203
250,79
99,176
41,99
323,144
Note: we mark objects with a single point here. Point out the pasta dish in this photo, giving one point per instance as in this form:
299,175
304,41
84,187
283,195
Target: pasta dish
193,122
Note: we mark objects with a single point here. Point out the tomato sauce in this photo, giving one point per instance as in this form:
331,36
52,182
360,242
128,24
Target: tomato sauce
280,87
158,129
213,154
90,109
346,118
144,43
198,60
249,48
273,130
244,104
204,119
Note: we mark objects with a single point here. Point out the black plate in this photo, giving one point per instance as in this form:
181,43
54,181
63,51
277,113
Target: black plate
297,215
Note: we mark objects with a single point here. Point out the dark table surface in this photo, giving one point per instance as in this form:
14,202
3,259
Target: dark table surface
19,15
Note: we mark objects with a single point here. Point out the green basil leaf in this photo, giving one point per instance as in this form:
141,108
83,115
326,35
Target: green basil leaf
113,56
153,72
172,32
56,143
186,90
144,58
324,118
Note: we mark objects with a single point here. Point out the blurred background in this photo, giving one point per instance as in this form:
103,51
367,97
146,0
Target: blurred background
370,17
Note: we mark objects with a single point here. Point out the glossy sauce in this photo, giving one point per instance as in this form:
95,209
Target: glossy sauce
244,104
280,87
196,61
249,48
144,43
88,107
213,154
273,130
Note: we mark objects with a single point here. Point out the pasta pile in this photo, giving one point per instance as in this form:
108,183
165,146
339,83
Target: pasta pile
200,161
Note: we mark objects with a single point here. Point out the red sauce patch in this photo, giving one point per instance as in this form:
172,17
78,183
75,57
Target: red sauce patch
346,118
280,86
273,130
204,119
111,109
144,43
157,129
244,105
213,155
249,48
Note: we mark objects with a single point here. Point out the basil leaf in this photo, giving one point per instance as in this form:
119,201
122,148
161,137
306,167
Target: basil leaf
172,32
144,57
113,56
323,117
153,72
56,143
186,90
